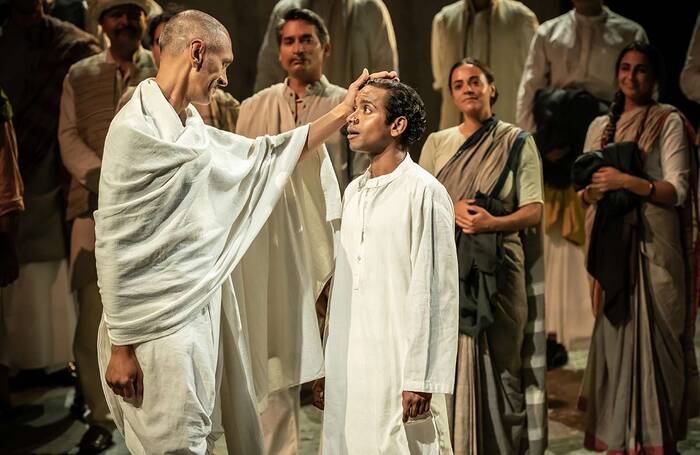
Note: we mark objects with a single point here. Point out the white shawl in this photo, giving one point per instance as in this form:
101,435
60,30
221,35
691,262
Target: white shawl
178,207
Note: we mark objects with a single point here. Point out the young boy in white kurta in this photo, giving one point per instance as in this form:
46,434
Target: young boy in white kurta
392,334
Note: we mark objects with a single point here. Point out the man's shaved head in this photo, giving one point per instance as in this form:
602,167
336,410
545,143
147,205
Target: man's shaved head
189,25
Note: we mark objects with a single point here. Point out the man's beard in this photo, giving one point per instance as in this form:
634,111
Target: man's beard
126,34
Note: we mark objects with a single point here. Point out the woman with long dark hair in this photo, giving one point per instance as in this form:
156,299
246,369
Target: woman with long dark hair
640,384
493,173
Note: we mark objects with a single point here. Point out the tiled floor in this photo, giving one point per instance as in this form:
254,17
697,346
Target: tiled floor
53,432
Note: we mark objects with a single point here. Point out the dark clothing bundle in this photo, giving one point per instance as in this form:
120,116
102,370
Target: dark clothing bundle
616,228
562,117
480,257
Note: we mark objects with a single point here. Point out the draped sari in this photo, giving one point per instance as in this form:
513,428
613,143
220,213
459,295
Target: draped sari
641,382
500,401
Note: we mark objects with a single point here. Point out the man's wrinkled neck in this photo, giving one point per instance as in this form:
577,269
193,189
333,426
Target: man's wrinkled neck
174,89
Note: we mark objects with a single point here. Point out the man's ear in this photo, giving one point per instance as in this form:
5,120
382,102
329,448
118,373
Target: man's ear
197,51
398,126
327,50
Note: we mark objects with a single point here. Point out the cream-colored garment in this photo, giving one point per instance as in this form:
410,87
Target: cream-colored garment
499,36
179,206
570,316
573,50
361,36
393,315
277,109
268,274
186,364
221,112
38,315
690,76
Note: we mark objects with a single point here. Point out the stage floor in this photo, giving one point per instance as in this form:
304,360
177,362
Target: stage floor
53,431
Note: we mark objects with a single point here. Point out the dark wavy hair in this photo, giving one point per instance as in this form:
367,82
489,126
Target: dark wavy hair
490,78
308,16
656,62
658,70
402,101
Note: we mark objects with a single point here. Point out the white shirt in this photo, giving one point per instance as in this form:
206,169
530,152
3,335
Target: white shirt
574,50
690,76
393,318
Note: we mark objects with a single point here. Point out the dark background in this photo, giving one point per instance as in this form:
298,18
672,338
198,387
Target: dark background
668,25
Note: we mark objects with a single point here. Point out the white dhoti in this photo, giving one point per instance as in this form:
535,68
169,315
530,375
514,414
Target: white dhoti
39,317
280,422
181,380
568,312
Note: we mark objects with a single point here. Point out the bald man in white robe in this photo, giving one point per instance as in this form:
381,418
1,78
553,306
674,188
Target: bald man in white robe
179,204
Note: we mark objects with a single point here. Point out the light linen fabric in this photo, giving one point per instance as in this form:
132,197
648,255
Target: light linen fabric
393,315
666,160
270,270
441,146
179,206
640,386
571,51
39,300
277,109
690,76
574,50
361,33
498,36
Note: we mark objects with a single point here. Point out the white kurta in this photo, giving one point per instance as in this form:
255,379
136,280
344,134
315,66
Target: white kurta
393,314
573,50
690,76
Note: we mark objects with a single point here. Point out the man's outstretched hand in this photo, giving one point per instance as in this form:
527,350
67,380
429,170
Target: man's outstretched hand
124,375
415,404
322,128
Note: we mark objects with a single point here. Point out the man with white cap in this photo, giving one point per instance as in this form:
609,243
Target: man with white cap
91,91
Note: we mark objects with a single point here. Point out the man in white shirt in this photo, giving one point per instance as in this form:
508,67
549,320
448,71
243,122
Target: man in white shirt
576,50
392,335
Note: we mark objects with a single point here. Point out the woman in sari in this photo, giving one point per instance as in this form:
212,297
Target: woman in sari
493,173
640,384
